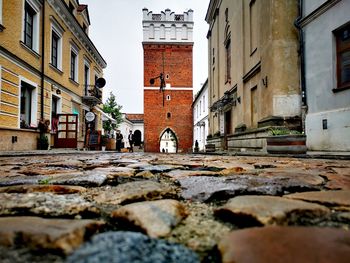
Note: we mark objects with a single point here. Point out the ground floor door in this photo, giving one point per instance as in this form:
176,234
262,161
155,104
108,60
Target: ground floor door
67,131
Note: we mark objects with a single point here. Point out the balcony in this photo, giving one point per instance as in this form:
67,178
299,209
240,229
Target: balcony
93,96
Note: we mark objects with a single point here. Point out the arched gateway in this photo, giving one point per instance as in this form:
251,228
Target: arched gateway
168,142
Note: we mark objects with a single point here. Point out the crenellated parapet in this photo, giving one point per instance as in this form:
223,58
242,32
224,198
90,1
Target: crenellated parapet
167,26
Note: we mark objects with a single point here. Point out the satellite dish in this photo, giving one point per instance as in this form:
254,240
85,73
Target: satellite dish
151,81
100,83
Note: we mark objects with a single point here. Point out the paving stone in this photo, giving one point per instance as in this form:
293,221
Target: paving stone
88,178
122,247
174,174
208,188
155,218
309,177
134,192
146,174
60,235
269,210
46,204
338,181
286,245
328,198
158,168
22,180
56,189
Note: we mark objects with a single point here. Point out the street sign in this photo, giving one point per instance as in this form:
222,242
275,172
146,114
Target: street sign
89,116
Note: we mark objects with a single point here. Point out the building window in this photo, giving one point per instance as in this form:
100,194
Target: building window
56,45
168,97
168,115
31,25
71,8
86,78
213,55
228,60
151,31
54,49
162,31
343,57
27,105
184,32
173,31
85,28
1,27
253,26
74,64
203,103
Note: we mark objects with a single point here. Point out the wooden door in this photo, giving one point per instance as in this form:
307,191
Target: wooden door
67,131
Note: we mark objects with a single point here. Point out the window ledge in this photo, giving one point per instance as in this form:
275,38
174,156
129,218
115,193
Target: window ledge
253,51
74,82
56,69
32,51
341,88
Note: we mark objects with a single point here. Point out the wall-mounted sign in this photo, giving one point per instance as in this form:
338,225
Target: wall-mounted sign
89,116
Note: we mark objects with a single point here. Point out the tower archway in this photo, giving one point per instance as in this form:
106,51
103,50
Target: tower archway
168,141
137,138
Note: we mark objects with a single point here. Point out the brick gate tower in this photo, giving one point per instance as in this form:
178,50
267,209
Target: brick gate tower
168,85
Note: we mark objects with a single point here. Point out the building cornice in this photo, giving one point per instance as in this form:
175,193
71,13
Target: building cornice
157,42
72,23
212,11
317,12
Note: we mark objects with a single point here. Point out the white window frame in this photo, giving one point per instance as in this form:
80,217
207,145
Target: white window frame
36,22
86,89
74,49
55,27
34,102
0,12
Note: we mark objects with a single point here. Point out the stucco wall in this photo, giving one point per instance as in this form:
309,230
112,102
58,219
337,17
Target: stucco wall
323,102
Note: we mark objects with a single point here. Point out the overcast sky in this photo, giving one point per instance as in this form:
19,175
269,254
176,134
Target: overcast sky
116,30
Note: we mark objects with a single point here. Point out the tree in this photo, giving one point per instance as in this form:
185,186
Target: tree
114,109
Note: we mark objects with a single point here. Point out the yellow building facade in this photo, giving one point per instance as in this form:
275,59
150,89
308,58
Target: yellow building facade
253,71
48,67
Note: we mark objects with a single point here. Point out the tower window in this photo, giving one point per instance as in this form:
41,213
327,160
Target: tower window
168,115
168,97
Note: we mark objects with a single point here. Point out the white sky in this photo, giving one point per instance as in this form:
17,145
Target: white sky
116,30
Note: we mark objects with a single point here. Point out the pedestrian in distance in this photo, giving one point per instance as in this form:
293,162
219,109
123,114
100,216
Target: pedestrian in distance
131,141
119,138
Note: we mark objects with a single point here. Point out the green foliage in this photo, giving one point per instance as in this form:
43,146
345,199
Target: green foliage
114,109
44,181
43,142
282,131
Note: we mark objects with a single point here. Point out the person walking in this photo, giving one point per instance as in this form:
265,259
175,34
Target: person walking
119,138
131,139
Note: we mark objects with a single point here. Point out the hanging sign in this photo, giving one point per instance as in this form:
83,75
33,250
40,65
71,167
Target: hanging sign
89,116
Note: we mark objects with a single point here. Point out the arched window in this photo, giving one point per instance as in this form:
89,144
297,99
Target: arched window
184,32
173,32
168,97
162,31
151,31
168,115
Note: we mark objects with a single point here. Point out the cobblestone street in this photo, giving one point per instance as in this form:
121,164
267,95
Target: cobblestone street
124,207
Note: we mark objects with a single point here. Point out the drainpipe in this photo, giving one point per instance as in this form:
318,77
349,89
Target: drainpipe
42,61
304,107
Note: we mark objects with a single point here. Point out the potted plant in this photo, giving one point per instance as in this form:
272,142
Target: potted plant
285,141
43,141
104,141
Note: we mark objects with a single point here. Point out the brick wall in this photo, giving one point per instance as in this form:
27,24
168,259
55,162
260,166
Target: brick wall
177,61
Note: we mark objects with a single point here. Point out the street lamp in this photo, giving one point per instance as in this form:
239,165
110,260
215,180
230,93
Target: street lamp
162,83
